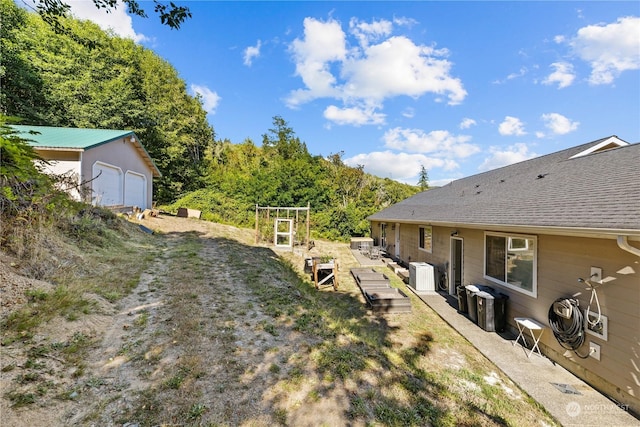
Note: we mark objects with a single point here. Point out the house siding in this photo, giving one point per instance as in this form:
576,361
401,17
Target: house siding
561,260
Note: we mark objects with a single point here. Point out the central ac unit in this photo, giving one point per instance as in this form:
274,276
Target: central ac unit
422,277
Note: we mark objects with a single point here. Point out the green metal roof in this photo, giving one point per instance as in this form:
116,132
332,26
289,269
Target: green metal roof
78,139
72,138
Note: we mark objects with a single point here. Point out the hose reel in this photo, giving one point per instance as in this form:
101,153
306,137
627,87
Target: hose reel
567,323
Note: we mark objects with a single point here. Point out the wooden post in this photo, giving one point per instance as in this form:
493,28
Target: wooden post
315,272
335,274
308,210
257,229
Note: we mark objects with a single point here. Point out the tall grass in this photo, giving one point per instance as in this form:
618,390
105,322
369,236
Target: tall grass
91,251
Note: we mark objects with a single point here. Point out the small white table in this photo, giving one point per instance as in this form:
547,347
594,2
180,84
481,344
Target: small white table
533,327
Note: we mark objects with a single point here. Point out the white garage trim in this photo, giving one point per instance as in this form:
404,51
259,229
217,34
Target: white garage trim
107,185
135,189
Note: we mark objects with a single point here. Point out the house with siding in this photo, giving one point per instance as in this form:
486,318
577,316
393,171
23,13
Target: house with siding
111,166
537,231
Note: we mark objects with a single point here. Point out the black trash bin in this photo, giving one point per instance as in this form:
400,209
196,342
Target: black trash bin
492,309
500,310
462,300
485,311
472,305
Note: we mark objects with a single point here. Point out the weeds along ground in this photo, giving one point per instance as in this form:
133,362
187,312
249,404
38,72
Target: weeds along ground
91,253
196,325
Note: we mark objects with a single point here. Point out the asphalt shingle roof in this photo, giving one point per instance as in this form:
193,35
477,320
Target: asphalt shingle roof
600,190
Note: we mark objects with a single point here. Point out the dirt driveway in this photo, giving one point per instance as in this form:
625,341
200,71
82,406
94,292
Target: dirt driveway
222,332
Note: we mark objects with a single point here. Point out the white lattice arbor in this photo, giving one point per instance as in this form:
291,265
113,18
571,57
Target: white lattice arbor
284,226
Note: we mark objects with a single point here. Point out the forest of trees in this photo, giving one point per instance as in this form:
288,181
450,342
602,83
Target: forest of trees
85,77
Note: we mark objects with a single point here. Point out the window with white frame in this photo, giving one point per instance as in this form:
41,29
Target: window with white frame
510,260
425,238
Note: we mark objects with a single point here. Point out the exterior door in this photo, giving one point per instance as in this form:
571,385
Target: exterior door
456,264
397,245
135,190
107,185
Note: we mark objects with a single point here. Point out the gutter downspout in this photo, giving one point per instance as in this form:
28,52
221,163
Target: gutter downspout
625,246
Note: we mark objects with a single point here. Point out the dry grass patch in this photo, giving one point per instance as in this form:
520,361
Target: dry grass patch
222,332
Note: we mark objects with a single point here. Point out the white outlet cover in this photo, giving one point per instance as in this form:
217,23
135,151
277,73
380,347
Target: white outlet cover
594,350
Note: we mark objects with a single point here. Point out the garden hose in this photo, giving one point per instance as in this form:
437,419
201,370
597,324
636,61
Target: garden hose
568,331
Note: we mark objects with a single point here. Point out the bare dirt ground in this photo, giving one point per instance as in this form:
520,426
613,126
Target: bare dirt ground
199,343
137,348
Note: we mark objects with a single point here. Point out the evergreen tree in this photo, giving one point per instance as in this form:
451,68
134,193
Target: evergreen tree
423,180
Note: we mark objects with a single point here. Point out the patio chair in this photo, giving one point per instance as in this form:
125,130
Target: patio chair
365,249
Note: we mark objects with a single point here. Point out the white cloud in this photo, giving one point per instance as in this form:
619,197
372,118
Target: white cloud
610,49
403,21
466,123
511,126
438,142
399,67
559,124
210,100
521,73
513,154
399,166
378,67
563,74
117,20
251,52
368,32
409,113
324,43
353,116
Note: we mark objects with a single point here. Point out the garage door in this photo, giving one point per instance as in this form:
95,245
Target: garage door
107,185
135,190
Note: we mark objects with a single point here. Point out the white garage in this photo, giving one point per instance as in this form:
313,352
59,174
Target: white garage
135,188
107,185
114,168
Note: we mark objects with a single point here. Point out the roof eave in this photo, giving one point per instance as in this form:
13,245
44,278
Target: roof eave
45,148
147,158
592,232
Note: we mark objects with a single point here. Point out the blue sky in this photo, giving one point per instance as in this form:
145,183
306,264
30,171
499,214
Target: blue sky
459,87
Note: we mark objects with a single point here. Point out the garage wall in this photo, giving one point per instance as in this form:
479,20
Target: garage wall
123,154
63,162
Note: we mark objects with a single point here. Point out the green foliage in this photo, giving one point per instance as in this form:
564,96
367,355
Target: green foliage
283,173
62,301
423,180
21,180
28,197
52,11
85,77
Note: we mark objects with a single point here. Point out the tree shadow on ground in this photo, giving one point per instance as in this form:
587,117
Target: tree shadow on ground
349,352
291,354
